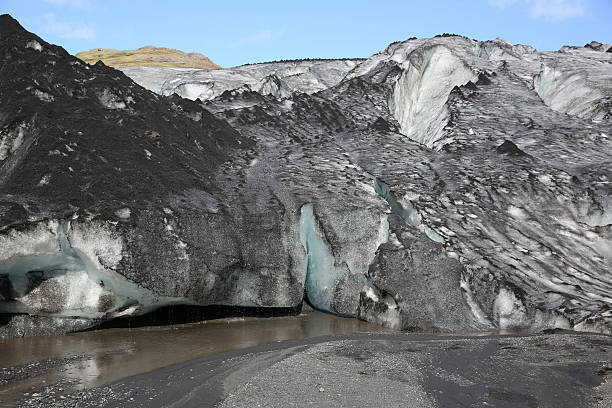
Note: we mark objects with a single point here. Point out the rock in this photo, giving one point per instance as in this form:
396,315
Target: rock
509,148
597,46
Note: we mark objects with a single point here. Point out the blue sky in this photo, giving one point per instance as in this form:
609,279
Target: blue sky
238,32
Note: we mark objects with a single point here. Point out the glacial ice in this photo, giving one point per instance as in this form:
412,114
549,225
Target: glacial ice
35,45
322,273
273,85
66,270
405,209
123,213
501,50
11,140
509,311
43,96
569,92
110,100
420,94
276,79
40,238
329,278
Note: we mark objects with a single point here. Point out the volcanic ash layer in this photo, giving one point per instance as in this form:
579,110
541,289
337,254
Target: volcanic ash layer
444,184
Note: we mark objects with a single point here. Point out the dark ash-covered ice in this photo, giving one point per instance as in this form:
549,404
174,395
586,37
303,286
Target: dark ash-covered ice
443,184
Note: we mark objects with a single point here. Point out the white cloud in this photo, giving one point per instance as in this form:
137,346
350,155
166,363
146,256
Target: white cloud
260,37
63,29
556,10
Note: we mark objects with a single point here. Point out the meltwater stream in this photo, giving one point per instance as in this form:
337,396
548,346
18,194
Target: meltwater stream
90,359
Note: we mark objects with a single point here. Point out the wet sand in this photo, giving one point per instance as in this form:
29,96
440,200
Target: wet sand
309,360
90,359
562,370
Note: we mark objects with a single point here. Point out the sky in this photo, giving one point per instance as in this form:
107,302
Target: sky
237,32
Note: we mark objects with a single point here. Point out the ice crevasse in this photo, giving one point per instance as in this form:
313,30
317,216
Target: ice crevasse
333,285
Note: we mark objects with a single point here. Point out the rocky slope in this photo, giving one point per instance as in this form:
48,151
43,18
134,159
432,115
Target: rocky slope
148,56
443,184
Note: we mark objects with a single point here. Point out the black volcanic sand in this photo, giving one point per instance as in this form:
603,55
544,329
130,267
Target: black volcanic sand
561,369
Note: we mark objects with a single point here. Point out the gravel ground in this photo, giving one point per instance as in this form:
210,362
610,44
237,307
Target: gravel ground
382,369
13,374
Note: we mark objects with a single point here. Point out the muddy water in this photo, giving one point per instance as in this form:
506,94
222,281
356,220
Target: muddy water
103,356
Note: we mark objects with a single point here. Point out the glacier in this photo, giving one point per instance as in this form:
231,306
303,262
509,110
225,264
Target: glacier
279,79
419,97
444,184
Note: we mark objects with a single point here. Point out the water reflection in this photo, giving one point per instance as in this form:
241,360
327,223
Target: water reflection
111,354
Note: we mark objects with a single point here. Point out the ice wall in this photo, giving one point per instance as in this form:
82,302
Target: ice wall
419,96
279,79
333,284
322,273
570,92
43,273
